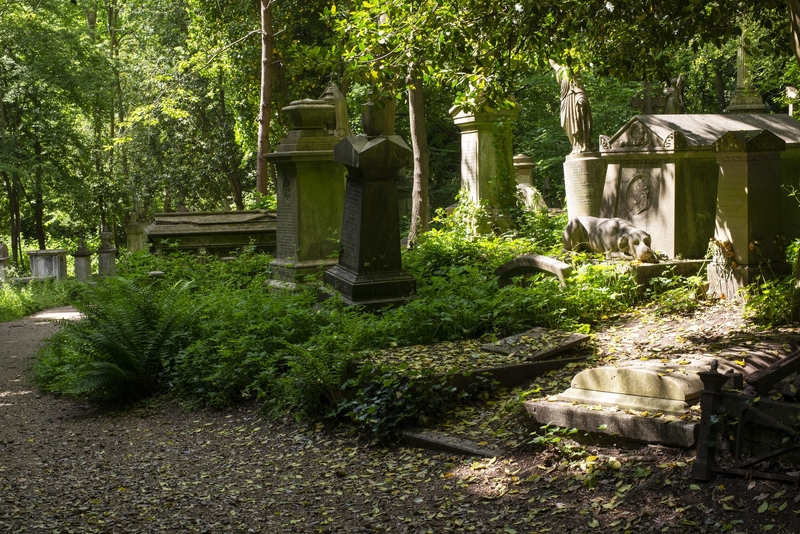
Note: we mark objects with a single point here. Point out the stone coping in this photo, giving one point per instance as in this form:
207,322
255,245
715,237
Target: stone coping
669,431
54,252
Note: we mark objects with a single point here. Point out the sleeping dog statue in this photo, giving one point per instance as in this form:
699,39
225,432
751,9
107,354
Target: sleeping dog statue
608,236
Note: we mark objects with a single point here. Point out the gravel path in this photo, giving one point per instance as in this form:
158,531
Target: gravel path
66,467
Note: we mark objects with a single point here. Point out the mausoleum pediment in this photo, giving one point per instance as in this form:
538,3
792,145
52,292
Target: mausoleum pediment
645,133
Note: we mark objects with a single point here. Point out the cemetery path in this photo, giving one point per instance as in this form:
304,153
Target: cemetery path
68,467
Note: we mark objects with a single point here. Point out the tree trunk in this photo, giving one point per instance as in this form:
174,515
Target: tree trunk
265,113
419,143
13,211
38,197
229,168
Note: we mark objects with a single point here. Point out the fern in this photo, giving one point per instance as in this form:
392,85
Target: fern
128,336
315,378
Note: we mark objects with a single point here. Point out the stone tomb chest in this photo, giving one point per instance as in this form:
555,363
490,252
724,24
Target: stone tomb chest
215,232
662,175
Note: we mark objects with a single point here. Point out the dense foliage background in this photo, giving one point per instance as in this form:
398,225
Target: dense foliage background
107,106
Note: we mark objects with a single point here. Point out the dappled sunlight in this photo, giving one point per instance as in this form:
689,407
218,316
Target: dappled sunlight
488,478
10,393
57,314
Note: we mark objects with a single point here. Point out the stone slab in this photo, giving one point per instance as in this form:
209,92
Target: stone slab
512,374
675,433
624,401
537,343
641,382
440,442
529,264
219,233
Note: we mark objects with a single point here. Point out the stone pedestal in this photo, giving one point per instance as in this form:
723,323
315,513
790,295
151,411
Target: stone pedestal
135,237
83,262
4,261
369,272
106,256
748,217
310,191
523,173
584,180
48,264
487,160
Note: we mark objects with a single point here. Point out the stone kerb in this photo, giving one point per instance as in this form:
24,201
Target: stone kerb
310,192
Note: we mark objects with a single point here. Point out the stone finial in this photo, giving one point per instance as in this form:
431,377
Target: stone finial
310,114
105,239
83,250
374,118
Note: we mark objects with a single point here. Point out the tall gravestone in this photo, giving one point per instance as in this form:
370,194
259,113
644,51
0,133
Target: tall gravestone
83,261
748,215
4,261
369,271
135,237
310,191
487,159
106,255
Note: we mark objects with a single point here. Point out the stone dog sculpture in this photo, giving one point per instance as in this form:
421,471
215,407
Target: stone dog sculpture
608,236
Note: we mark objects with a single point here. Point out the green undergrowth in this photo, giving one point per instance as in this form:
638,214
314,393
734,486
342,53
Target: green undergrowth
775,300
19,300
212,333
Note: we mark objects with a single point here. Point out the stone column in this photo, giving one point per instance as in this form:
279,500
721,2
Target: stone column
106,255
749,217
47,264
487,159
584,180
135,237
4,261
369,272
523,173
83,262
310,193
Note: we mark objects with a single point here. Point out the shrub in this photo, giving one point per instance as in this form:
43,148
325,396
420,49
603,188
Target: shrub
118,351
384,398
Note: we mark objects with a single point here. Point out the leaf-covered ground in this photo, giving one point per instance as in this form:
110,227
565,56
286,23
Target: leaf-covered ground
67,467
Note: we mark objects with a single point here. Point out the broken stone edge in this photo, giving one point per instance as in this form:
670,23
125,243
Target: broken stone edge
440,442
674,433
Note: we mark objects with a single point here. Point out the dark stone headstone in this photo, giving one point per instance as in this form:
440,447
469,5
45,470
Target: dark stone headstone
369,272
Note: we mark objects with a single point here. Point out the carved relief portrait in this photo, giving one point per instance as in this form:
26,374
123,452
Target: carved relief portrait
639,194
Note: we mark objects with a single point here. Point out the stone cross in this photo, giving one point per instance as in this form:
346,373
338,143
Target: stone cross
746,98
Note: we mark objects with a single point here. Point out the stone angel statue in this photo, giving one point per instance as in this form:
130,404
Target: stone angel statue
576,116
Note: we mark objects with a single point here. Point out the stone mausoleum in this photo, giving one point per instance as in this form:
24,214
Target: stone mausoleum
661,172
